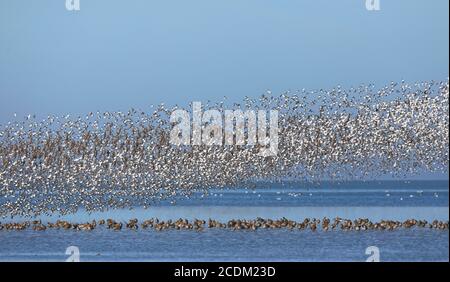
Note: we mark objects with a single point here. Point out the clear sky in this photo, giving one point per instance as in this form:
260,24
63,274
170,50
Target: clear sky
118,54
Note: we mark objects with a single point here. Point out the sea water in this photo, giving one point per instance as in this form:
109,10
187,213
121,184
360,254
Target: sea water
376,200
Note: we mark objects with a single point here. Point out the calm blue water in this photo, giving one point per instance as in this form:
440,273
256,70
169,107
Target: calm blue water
330,194
396,200
225,245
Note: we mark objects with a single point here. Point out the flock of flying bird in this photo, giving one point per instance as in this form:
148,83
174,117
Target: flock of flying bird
124,159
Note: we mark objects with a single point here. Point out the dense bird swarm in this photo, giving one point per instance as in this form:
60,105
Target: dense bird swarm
123,159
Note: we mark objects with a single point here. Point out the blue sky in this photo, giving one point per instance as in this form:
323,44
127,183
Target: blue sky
118,54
